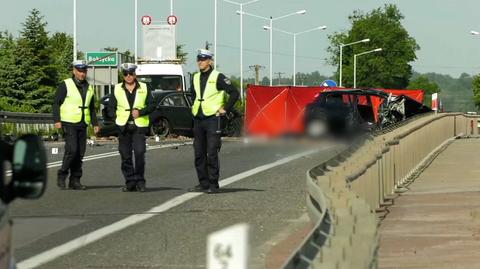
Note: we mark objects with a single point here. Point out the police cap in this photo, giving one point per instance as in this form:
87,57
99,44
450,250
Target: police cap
80,64
203,54
128,67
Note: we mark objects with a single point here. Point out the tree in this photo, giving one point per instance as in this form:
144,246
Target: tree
34,59
265,81
12,77
34,38
423,83
389,68
7,67
476,90
62,54
181,54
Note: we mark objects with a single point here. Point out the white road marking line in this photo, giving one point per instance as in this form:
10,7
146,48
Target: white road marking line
109,154
96,235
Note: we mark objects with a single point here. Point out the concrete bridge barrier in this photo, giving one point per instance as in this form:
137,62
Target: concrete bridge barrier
346,193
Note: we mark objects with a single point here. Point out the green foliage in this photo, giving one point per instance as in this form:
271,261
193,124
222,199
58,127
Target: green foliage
62,54
21,129
32,65
476,90
456,94
181,54
35,42
8,68
303,79
423,83
239,105
389,68
14,105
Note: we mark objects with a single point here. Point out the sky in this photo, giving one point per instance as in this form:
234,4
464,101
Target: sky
441,28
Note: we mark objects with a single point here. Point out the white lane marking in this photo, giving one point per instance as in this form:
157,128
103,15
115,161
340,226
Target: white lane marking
91,237
109,154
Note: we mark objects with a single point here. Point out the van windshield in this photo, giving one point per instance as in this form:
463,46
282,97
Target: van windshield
162,82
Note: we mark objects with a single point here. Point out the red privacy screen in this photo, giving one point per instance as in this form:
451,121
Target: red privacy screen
279,110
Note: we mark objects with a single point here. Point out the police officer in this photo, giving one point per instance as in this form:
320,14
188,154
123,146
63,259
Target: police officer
73,111
131,104
209,106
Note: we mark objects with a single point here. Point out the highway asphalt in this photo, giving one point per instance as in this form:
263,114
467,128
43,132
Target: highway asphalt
267,191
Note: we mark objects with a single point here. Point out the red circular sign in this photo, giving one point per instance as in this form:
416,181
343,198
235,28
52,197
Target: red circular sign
172,20
146,20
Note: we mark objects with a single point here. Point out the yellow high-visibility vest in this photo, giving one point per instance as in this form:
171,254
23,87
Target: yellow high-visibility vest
123,107
73,105
212,99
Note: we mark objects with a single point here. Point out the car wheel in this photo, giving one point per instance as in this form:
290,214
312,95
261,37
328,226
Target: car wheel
316,128
161,127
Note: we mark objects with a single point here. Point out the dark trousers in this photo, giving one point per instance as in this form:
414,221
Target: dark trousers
132,148
75,144
206,144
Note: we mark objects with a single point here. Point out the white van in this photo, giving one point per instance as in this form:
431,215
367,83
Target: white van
162,76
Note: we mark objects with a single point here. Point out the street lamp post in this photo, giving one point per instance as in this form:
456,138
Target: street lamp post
323,27
355,64
271,19
74,29
215,35
136,30
341,60
241,39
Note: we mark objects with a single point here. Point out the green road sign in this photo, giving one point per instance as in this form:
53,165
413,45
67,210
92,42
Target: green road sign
105,58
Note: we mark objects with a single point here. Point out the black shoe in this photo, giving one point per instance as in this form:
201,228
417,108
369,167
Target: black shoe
129,188
61,184
213,190
198,188
141,187
76,185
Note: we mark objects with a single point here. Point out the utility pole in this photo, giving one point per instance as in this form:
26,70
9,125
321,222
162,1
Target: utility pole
279,77
207,45
257,69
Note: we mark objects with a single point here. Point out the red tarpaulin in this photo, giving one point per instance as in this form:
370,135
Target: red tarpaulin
274,111
265,110
279,110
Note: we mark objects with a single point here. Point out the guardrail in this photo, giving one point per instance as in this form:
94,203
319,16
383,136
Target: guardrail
345,193
20,117
15,123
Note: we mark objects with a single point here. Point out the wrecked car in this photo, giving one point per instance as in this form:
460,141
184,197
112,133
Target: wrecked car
340,112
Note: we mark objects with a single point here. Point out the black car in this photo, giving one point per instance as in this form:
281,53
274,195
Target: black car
342,112
172,115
